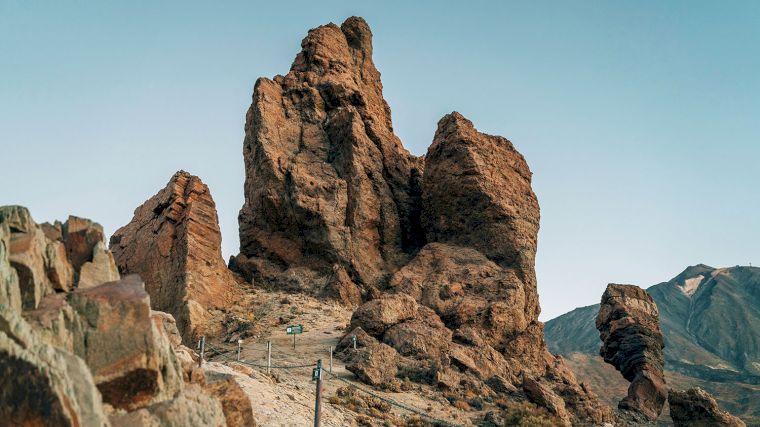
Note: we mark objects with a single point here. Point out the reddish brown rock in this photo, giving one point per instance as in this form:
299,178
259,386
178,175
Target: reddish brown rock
100,269
477,193
173,242
542,395
445,260
235,402
42,385
375,365
425,336
467,290
327,180
27,250
696,408
80,235
376,316
131,360
632,342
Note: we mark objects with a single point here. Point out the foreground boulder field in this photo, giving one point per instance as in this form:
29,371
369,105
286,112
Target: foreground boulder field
432,257
80,346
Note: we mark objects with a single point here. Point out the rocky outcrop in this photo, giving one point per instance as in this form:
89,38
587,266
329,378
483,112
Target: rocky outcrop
440,249
75,351
41,384
696,408
191,407
629,326
376,316
53,258
173,242
327,181
10,293
130,358
236,404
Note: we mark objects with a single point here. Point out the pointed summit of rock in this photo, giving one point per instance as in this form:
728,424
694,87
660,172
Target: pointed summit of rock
329,187
173,242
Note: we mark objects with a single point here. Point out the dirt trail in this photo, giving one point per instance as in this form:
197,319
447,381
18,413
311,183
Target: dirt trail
286,397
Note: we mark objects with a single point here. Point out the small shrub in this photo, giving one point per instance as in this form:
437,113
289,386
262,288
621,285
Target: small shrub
528,415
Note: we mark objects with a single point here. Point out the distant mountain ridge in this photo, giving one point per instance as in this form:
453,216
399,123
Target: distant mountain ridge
710,319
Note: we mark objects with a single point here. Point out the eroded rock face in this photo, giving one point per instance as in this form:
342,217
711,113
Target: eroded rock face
441,249
376,316
191,407
327,180
131,360
41,384
696,408
629,326
10,293
53,258
477,193
173,242
235,402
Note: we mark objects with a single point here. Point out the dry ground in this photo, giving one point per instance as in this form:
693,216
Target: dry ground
286,397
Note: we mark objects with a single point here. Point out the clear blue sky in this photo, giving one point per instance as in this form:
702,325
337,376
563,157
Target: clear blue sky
640,120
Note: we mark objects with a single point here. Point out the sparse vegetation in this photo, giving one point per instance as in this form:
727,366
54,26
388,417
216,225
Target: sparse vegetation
528,415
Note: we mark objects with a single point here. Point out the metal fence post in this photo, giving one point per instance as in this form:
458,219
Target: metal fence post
203,350
240,345
317,404
331,357
269,355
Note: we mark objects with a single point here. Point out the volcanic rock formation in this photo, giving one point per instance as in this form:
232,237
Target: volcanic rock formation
75,351
328,184
173,242
442,257
52,258
629,326
696,408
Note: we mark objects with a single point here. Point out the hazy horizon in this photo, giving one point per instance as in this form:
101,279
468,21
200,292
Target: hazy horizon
640,121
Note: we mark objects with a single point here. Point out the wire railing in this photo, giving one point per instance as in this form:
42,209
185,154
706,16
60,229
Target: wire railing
424,414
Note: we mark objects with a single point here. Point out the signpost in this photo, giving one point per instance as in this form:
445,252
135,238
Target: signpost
316,375
294,330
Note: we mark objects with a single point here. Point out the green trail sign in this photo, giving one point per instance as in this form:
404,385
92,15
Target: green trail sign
298,329
294,330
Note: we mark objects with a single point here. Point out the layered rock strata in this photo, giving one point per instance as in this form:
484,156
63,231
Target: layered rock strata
173,242
632,342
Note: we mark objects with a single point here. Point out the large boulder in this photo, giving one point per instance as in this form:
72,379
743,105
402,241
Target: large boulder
471,292
191,407
131,360
632,342
173,242
327,180
27,252
425,336
697,408
376,316
375,364
41,384
236,404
